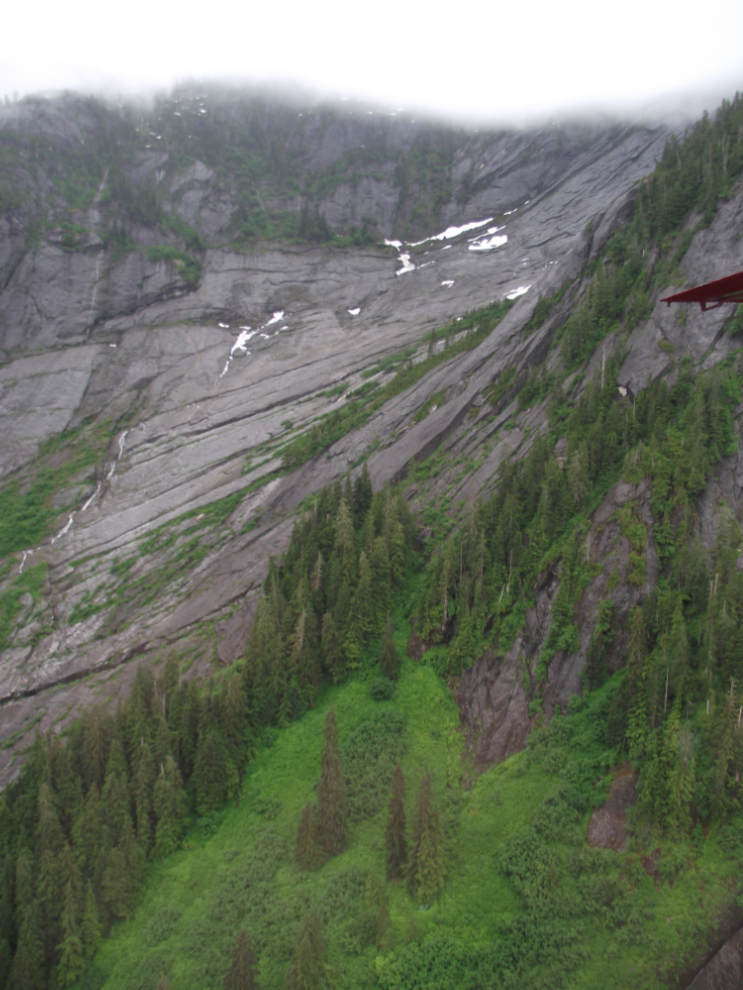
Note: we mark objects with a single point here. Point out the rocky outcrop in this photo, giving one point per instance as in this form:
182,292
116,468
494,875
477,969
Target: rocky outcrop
607,827
724,971
494,695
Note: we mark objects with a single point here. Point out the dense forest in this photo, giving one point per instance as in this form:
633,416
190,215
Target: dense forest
317,795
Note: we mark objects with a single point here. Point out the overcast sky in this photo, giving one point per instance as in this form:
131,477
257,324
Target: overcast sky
487,61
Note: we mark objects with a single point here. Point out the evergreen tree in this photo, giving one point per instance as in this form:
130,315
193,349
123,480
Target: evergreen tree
681,780
724,728
134,858
210,776
303,666
88,835
144,778
91,927
333,659
331,797
344,542
426,866
309,853
389,662
115,802
234,725
169,800
636,680
68,793
165,742
188,727
72,956
115,884
96,730
243,971
308,971
26,972
361,617
394,836
381,581
362,495
50,837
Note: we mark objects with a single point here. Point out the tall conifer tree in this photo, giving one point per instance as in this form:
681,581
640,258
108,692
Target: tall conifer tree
26,972
91,926
210,776
169,800
333,660
333,829
426,866
394,836
308,852
243,971
72,959
309,971
389,662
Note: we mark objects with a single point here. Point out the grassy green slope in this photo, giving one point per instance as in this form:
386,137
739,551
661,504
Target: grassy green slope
526,902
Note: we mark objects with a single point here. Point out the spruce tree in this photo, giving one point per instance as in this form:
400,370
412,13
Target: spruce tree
681,784
88,837
333,660
362,495
188,727
96,730
333,829
426,867
234,726
381,580
115,801
361,617
389,662
210,776
115,884
136,868
144,778
26,972
243,971
165,742
394,836
308,971
169,800
66,783
308,852
72,957
91,926
344,542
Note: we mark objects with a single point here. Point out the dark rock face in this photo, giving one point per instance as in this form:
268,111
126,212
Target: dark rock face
725,970
97,339
607,827
493,694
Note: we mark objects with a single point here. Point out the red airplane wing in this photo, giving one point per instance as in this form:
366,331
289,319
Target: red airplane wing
712,294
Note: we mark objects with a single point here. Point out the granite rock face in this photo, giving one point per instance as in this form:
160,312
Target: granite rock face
725,970
186,389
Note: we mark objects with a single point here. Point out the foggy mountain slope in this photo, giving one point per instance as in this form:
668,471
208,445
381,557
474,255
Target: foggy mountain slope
165,414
